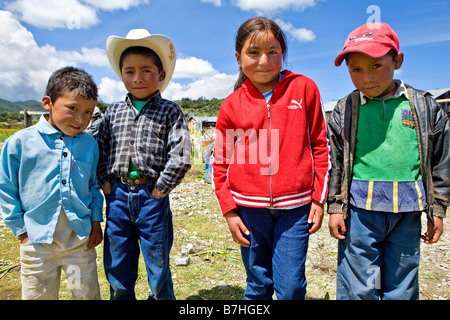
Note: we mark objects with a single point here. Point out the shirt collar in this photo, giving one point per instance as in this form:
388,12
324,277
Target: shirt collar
401,90
46,128
154,98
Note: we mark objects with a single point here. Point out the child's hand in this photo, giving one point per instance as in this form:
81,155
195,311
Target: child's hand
337,226
433,232
157,194
237,227
96,236
23,238
107,188
315,216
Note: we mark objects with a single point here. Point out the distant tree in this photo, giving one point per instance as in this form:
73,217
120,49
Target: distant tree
200,106
10,117
102,106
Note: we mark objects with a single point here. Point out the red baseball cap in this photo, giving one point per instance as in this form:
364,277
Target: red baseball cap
374,39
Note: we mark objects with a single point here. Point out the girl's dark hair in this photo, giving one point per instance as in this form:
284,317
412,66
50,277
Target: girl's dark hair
252,27
71,79
143,51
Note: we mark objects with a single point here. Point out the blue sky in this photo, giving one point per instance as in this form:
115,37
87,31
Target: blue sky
38,37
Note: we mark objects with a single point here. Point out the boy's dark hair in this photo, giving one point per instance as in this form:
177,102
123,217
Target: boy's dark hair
391,52
143,51
71,79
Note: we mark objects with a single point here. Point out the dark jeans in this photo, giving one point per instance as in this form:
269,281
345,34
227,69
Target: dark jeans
136,221
379,257
276,257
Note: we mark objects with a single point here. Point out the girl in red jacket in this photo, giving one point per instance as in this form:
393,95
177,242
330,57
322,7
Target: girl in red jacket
271,163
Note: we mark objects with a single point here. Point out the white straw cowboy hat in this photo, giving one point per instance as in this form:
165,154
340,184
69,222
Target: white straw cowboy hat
162,46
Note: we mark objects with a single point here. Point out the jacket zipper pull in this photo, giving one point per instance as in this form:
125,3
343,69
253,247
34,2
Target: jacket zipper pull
268,109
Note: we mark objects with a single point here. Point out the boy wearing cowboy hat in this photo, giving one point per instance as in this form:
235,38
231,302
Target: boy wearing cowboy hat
145,152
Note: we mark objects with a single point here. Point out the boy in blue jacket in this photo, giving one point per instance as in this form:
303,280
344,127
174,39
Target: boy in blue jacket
49,193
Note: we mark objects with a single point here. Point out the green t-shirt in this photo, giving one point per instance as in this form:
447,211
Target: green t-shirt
386,145
133,172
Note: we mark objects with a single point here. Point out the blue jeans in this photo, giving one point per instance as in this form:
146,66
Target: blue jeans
379,258
136,221
276,257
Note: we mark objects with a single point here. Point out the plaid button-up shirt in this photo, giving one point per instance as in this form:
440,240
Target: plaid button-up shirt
156,140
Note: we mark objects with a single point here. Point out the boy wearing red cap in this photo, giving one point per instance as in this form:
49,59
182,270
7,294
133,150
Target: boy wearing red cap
390,154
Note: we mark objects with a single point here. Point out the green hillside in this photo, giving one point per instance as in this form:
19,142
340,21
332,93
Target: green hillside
16,107
198,107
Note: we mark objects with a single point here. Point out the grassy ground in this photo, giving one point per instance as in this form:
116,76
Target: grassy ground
215,270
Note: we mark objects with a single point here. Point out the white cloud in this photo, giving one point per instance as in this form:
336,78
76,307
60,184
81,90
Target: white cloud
94,57
301,34
23,75
111,90
71,14
25,67
217,86
193,68
206,82
265,6
111,5
216,3
50,14
398,72
209,84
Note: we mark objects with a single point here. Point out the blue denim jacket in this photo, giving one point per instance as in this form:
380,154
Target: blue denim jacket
43,169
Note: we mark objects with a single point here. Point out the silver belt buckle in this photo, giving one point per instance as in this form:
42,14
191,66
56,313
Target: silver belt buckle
127,181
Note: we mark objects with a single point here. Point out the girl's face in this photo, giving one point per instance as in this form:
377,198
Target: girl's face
261,60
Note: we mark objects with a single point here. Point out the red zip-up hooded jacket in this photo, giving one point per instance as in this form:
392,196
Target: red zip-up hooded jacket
272,155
